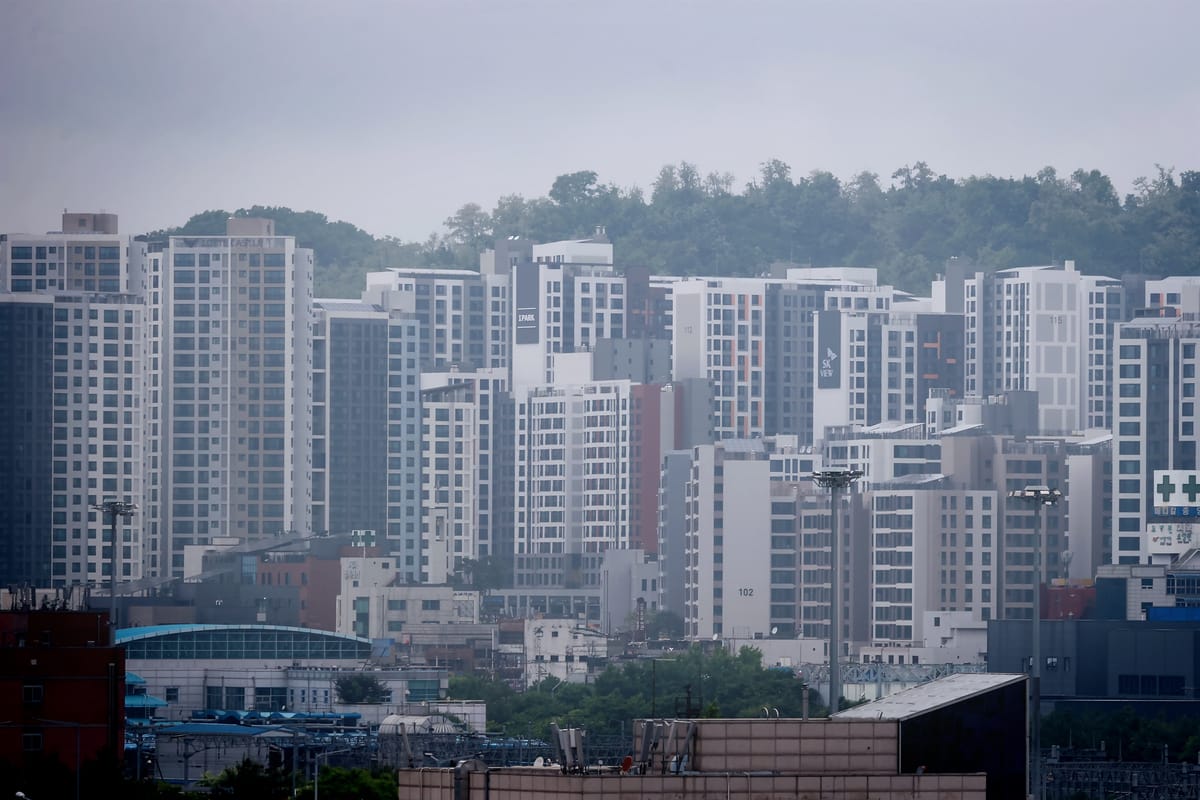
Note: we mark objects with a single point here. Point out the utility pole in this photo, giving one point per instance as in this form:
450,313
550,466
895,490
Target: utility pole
1039,497
112,509
836,481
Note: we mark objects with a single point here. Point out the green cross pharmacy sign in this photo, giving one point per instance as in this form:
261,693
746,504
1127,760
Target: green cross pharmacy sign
1177,493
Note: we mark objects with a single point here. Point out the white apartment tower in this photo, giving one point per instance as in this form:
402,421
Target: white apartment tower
563,301
932,549
1156,429
573,492
719,334
75,432
464,314
462,470
233,355
1048,330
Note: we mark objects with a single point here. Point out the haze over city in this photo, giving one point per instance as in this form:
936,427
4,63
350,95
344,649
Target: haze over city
392,115
779,398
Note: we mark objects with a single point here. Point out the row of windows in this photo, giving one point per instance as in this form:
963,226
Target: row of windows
246,645
87,251
207,259
1159,685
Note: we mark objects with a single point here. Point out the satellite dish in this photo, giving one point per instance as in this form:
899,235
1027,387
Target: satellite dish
716,637
774,629
539,762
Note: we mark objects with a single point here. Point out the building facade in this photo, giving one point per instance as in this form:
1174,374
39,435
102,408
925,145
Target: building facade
232,361
1155,430
73,305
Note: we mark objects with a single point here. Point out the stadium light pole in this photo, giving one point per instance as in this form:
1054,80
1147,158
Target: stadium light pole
1039,497
112,509
836,481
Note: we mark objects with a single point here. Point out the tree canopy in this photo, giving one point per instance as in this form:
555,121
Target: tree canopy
361,687
694,223
716,684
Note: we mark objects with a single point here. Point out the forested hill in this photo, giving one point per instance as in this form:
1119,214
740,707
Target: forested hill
700,224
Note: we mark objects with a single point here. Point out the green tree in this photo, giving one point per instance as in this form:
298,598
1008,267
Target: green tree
341,783
716,683
249,780
361,687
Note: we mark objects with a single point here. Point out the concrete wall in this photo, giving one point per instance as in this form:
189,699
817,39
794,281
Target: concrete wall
543,784
812,747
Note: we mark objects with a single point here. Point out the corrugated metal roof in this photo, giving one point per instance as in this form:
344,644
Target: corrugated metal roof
222,729
962,427
930,696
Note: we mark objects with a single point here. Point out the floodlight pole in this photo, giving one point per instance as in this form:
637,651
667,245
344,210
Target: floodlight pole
114,509
1039,497
835,480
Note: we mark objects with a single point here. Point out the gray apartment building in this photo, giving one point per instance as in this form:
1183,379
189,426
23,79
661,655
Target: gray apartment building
367,426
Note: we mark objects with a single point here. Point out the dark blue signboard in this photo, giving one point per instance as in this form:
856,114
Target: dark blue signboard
829,350
526,304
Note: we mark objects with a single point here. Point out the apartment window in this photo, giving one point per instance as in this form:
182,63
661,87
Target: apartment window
31,694
31,742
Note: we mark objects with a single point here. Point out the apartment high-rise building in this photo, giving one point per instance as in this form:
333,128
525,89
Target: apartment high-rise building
1090,489
879,353
466,462
720,334
573,490
1156,429
464,315
74,398
754,550
367,426
232,356
934,548
791,372
350,355
759,342
561,307
1174,295
1044,329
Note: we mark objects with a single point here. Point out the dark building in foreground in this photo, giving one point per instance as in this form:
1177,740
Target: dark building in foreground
62,688
1098,659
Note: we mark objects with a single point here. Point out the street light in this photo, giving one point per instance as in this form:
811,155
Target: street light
836,481
654,684
317,761
113,509
1038,497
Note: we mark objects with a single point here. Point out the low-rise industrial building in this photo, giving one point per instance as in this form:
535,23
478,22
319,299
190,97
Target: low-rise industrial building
960,738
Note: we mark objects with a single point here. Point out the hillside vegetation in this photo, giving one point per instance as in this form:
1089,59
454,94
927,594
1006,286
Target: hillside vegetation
694,224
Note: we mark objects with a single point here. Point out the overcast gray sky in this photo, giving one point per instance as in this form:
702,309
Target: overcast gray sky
391,115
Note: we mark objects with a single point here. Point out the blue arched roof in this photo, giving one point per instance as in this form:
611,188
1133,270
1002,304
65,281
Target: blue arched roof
225,642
